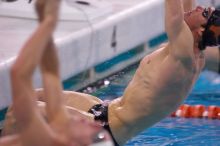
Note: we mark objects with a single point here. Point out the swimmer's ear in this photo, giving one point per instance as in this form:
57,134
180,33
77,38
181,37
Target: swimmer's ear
202,29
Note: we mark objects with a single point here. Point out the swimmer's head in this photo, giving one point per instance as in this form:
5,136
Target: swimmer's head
205,25
211,33
198,17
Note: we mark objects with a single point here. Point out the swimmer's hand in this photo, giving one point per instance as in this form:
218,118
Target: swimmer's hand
47,9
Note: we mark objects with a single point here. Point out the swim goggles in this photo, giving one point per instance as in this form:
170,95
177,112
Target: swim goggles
205,13
211,34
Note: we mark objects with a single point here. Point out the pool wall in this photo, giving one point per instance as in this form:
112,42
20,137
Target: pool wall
106,37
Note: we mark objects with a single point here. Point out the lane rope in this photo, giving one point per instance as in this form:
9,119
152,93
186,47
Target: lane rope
197,111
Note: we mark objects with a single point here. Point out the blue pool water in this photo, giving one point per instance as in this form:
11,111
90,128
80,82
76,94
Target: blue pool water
176,131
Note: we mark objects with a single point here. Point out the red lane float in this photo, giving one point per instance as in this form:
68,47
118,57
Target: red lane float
197,111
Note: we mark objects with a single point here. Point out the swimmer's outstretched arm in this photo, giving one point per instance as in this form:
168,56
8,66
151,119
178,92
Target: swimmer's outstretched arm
23,68
52,82
50,72
177,30
188,5
173,18
65,124
33,130
53,91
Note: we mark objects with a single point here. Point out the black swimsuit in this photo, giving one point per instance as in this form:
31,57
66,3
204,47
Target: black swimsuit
100,111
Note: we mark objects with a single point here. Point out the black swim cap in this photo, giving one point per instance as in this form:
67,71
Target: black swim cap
211,34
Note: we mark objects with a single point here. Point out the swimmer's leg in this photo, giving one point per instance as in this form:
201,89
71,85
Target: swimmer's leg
10,123
73,99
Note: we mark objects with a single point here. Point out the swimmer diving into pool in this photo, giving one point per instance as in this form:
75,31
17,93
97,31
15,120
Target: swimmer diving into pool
60,127
163,79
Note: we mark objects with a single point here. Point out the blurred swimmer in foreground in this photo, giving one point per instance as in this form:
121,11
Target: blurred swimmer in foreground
60,128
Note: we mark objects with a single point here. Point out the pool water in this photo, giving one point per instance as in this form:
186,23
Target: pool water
176,131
